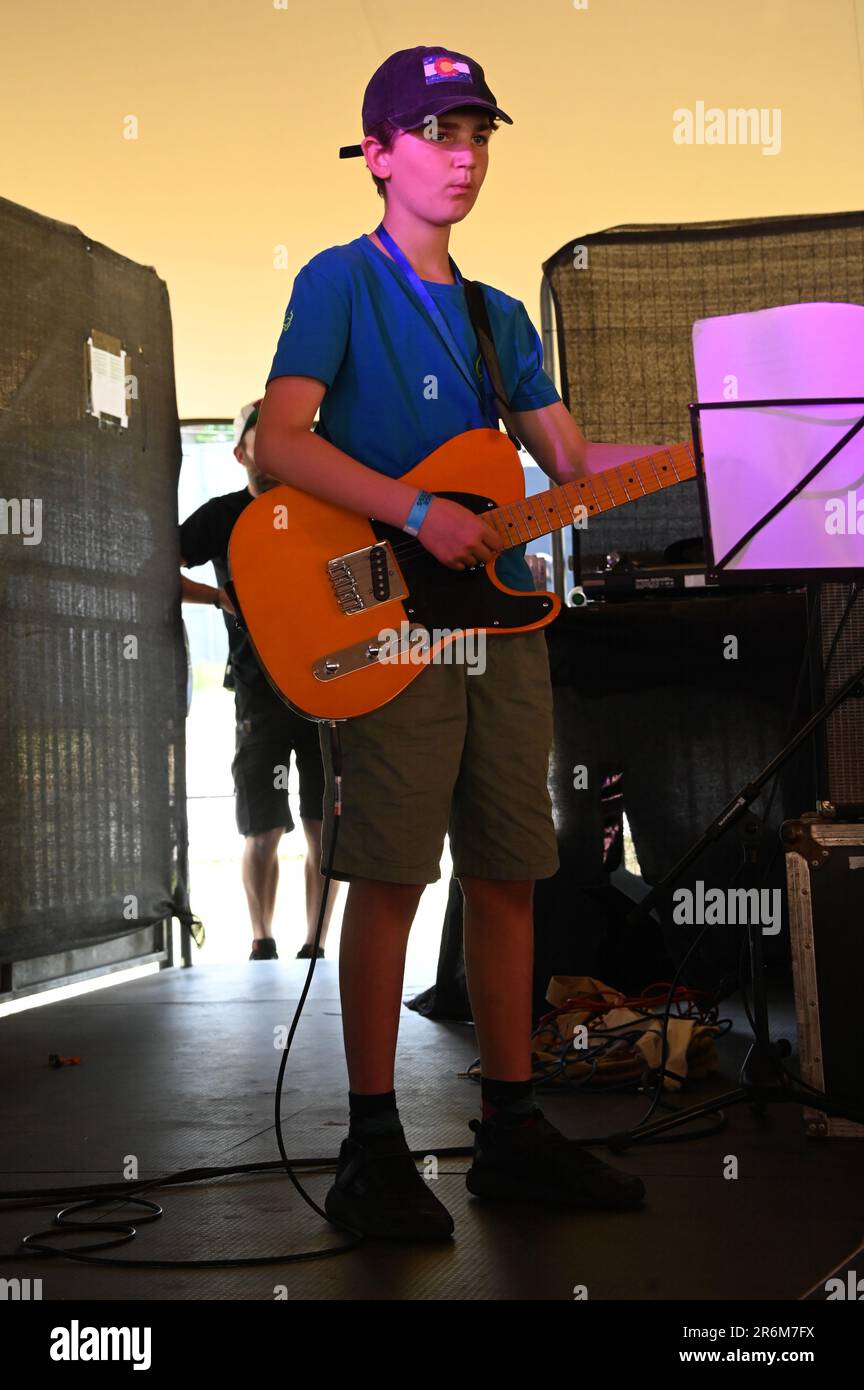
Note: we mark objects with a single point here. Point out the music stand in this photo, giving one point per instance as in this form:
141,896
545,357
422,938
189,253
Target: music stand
774,540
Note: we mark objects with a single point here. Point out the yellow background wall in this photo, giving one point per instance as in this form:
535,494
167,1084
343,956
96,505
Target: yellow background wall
242,107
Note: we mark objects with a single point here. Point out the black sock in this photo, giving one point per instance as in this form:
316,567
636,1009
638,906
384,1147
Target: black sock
506,1099
372,1114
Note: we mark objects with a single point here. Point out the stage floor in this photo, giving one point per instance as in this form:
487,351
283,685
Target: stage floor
178,1070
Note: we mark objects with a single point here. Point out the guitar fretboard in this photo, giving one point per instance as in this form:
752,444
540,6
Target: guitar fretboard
595,492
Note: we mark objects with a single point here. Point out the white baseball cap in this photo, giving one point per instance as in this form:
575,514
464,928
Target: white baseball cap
245,420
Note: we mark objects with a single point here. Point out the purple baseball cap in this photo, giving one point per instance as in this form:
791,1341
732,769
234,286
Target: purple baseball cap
419,82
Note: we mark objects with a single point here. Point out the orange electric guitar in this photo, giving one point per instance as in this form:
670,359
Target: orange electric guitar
316,585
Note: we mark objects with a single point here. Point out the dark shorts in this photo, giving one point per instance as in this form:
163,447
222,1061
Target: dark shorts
267,733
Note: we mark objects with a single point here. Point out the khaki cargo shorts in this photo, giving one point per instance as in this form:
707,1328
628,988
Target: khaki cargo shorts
458,751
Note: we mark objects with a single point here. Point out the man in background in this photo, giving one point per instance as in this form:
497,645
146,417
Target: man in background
267,730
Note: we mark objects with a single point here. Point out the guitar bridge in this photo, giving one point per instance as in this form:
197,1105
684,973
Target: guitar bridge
362,579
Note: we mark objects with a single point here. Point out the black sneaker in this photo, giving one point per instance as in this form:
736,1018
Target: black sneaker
379,1192
264,948
536,1163
305,952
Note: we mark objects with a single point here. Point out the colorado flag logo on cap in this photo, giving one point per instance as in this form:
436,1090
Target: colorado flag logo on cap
441,68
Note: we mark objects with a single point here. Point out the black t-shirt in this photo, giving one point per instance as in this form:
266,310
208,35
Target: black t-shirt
204,537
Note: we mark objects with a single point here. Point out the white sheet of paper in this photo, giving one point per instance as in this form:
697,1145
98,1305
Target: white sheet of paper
753,457
108,383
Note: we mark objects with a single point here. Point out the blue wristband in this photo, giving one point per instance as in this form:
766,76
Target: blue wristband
417,514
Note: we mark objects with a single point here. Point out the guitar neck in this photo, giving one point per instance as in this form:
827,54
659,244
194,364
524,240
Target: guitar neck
561,506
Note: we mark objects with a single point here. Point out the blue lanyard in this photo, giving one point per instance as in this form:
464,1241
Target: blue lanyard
486,394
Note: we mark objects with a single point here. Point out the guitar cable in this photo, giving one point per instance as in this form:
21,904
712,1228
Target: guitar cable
99,1194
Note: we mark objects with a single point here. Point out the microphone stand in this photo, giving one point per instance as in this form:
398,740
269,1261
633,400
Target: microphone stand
763,1079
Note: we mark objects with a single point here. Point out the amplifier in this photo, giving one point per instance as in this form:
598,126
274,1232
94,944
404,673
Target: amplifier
825,878
840,778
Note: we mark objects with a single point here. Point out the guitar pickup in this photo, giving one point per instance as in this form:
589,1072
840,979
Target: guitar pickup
364,578
379,573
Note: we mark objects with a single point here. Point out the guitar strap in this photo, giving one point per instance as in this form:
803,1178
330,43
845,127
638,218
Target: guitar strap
483,329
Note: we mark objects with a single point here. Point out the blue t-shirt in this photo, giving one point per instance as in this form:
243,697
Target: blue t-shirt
394,392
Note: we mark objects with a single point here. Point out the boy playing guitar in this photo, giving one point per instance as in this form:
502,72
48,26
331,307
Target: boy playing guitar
378,335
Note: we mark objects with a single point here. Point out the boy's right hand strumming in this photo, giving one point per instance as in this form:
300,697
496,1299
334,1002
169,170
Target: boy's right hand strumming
456,536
